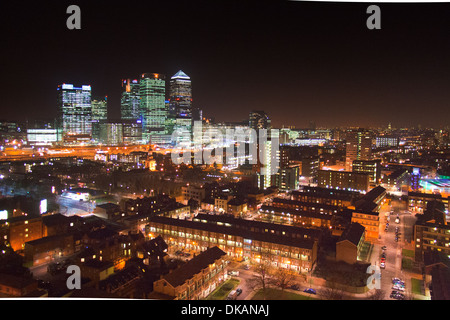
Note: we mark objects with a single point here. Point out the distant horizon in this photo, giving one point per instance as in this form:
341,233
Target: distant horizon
297,61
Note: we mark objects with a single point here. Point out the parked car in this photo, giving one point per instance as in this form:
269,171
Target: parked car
383,248
247,267
238,291
233,273
398,287
397,295
310,290
232,295
382,265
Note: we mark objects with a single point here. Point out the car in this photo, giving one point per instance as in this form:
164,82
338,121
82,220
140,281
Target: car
247,267
383,255
397,295
238,291
383,248
232,295
398,281
310,290
398,288
397,220
382,265
233,273
295,287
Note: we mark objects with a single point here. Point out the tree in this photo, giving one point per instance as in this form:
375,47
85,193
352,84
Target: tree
261,276
282,278
331,292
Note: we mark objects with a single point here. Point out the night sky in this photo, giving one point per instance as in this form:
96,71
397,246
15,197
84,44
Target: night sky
298,61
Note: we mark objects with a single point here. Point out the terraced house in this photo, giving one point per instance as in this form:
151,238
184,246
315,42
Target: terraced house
194,280
290,247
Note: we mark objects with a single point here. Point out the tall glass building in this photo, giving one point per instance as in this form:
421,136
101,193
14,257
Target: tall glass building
130,100
99,109
74,109
180,95
152,91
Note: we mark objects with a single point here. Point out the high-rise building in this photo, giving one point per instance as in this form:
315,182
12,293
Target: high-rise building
152,91
111,133
358,147
99,109
180,95
130,100
74,109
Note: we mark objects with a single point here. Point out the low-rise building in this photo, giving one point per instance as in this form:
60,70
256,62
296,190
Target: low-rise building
370,221
431,231
346,180
290,247
349,245
197,278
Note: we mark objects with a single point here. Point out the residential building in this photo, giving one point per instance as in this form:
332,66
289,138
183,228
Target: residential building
370,221
358,147
350,243
345,180
290,247
371,167
196,279
431,231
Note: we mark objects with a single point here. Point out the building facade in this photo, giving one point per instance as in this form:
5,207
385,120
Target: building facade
74,109
152,91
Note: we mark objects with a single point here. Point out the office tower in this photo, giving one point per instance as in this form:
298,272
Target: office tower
99,109
132,131
152,91
259,120
111,133
371,167
74,109
180,95
130,100
358,147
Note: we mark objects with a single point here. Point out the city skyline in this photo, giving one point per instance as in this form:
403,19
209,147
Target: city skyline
299,62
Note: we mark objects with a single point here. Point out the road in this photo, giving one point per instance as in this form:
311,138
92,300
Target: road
394,249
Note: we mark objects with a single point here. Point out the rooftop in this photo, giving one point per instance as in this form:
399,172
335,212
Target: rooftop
194,266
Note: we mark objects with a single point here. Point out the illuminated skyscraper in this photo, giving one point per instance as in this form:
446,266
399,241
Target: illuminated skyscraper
99,109
358,147
180,95
152,90
74,109
130,100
